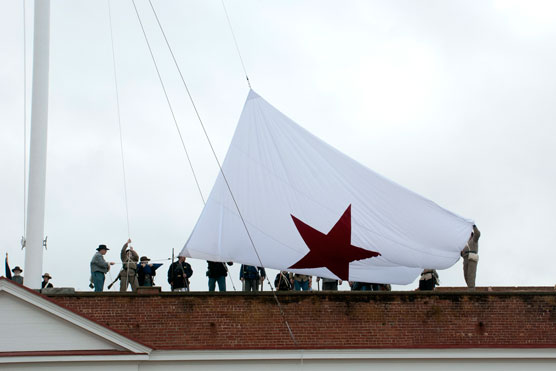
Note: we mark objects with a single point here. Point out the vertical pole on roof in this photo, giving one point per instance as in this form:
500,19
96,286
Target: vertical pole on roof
38,142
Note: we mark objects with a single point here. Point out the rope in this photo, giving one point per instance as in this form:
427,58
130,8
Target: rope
119,116
223,175
168,100
190,98
24,128
229,275
236,44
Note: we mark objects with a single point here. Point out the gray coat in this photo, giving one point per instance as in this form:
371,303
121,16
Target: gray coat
98,264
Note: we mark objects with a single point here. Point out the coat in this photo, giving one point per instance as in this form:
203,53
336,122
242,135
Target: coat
178,275
129,264
98,264
217,269
249,272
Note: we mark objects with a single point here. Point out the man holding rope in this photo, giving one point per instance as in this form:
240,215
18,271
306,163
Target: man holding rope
128,273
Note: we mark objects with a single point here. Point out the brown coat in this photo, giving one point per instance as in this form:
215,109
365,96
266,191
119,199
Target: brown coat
129,264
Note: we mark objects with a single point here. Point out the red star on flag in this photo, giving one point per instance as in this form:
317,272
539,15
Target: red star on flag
332,250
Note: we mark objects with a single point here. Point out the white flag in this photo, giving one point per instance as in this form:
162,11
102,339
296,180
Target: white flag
310,209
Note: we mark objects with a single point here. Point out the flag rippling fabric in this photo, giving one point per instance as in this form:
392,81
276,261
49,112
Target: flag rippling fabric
311,209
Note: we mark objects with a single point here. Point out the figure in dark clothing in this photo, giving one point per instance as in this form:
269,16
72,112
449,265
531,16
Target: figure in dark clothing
45,281
178,275
364,286
251,277
217,273
146,272
283,281
428,280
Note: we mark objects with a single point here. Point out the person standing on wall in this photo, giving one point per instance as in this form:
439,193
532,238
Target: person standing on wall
17,277
128,273
470,254
46,284
329,284
178,275
146,271
302,282
251,277
217,273
428,280
99,267
283,281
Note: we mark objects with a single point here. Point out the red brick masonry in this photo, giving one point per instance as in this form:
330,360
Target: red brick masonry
445,319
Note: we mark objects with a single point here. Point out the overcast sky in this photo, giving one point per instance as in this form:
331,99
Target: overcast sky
454,100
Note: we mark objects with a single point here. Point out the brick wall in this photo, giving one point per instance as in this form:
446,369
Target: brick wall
319,320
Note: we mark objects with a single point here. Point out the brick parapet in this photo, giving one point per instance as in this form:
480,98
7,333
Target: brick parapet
326,320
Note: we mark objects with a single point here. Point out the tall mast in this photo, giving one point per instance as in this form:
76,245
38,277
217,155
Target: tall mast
38,142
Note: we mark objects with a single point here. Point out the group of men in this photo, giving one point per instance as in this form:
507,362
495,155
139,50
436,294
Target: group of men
137,271
140,272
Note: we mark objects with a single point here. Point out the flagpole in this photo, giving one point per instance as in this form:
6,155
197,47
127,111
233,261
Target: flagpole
38,143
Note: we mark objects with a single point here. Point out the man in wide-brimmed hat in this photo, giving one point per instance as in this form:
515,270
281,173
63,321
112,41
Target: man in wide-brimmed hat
17,277
99,267
45,281
146,271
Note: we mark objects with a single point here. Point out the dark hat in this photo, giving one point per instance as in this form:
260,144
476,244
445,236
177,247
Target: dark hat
46,275
17,268
144,259
102,247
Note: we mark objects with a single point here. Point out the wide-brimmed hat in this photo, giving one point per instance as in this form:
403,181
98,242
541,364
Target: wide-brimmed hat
144,259
46,275
102,247
17,268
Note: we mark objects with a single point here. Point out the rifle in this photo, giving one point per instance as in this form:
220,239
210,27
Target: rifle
116,280
185,280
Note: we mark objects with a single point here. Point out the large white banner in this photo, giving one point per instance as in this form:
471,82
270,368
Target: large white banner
309,208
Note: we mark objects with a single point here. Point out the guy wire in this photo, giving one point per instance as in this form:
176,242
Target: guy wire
119,117
224,176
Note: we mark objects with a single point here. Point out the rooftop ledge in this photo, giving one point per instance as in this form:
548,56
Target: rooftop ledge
156,291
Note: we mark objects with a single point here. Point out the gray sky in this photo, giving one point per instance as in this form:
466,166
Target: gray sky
452,99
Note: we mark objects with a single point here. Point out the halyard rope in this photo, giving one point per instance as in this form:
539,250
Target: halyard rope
236,44
119,117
